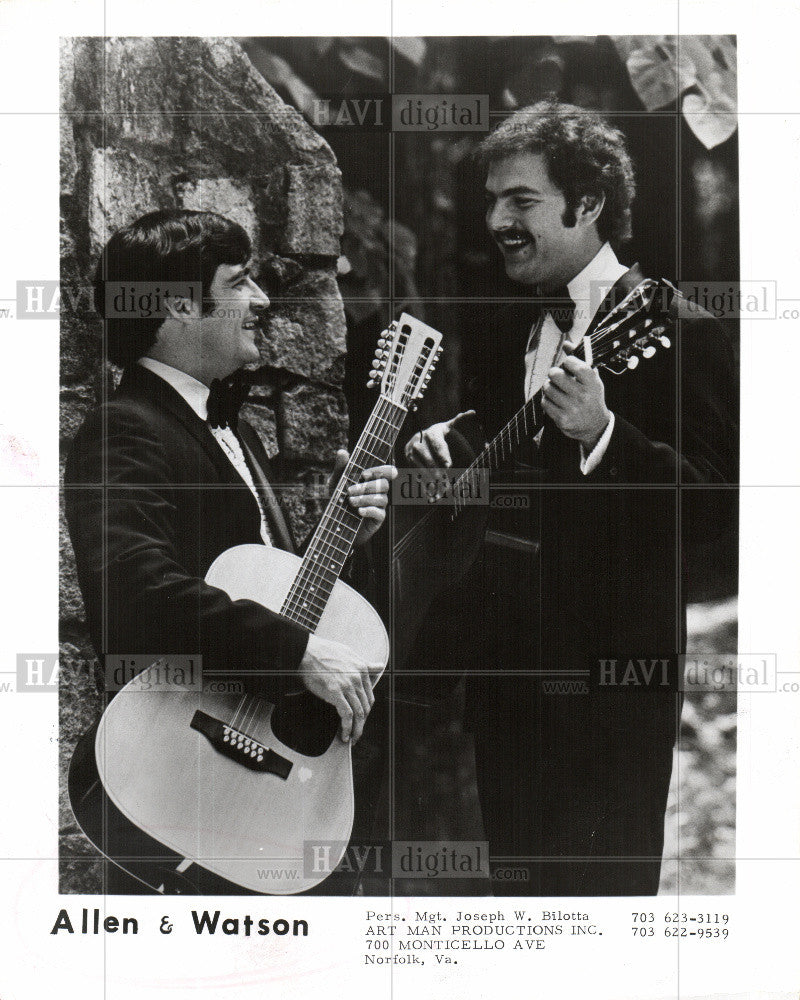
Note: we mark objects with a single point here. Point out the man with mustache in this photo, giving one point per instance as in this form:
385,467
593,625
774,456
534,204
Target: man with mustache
573,780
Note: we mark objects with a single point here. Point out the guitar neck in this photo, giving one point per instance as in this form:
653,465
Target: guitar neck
333,539
519,431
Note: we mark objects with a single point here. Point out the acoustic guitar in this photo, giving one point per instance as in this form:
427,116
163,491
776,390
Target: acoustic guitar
210,776
444,543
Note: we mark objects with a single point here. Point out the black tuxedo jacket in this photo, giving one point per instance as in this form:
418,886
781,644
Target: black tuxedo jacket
608,581
151,501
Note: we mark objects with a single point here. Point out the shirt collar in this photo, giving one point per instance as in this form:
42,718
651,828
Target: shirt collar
193,392
590,286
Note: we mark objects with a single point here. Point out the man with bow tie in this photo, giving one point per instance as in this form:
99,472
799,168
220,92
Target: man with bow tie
573,780
164,476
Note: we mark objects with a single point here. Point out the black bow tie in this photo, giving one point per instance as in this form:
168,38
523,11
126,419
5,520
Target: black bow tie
560,306
225,399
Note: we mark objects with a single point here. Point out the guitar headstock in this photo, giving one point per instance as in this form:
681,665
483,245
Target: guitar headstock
634,329
404,360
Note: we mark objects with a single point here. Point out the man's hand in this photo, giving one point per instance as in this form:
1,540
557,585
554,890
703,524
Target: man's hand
428,449
575,400
370,497
333,672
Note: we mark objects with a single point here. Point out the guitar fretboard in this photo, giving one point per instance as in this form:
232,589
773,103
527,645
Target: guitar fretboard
520,429
333,539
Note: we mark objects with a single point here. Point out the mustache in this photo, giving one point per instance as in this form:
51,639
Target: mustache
511,232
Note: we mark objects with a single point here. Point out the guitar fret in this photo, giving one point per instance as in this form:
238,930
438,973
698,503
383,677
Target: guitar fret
333,539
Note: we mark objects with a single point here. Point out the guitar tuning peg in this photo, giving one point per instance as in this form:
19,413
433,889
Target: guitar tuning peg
382,342
665,341
414,407
633,362
371,384
374,373
648,351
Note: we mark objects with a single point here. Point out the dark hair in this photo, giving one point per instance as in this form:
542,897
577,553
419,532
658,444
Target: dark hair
171,245
584,154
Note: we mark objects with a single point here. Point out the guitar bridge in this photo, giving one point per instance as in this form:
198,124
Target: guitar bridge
238,746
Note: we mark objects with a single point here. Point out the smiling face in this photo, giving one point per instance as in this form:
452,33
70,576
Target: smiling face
228,336
525,213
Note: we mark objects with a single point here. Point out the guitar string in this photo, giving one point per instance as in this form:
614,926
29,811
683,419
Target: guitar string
249,706
604,332
327,542
329,530
329,538
333,540
376,448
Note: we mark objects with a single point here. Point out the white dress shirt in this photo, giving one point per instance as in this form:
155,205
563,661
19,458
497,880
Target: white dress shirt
587,290
196,395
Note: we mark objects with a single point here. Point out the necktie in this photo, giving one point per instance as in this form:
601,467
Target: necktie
225,399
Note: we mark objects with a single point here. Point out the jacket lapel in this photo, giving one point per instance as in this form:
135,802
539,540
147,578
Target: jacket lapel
257,461
140,381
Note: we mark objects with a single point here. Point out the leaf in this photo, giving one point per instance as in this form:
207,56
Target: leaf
362,62
279,73
700,68
412,49
659,70
710,107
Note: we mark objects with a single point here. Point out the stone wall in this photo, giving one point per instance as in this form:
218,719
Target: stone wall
187,122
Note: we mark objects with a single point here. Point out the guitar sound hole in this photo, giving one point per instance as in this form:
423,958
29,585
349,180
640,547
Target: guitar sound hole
305,723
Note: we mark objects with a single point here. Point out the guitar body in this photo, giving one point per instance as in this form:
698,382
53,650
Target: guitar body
434,556
169,767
